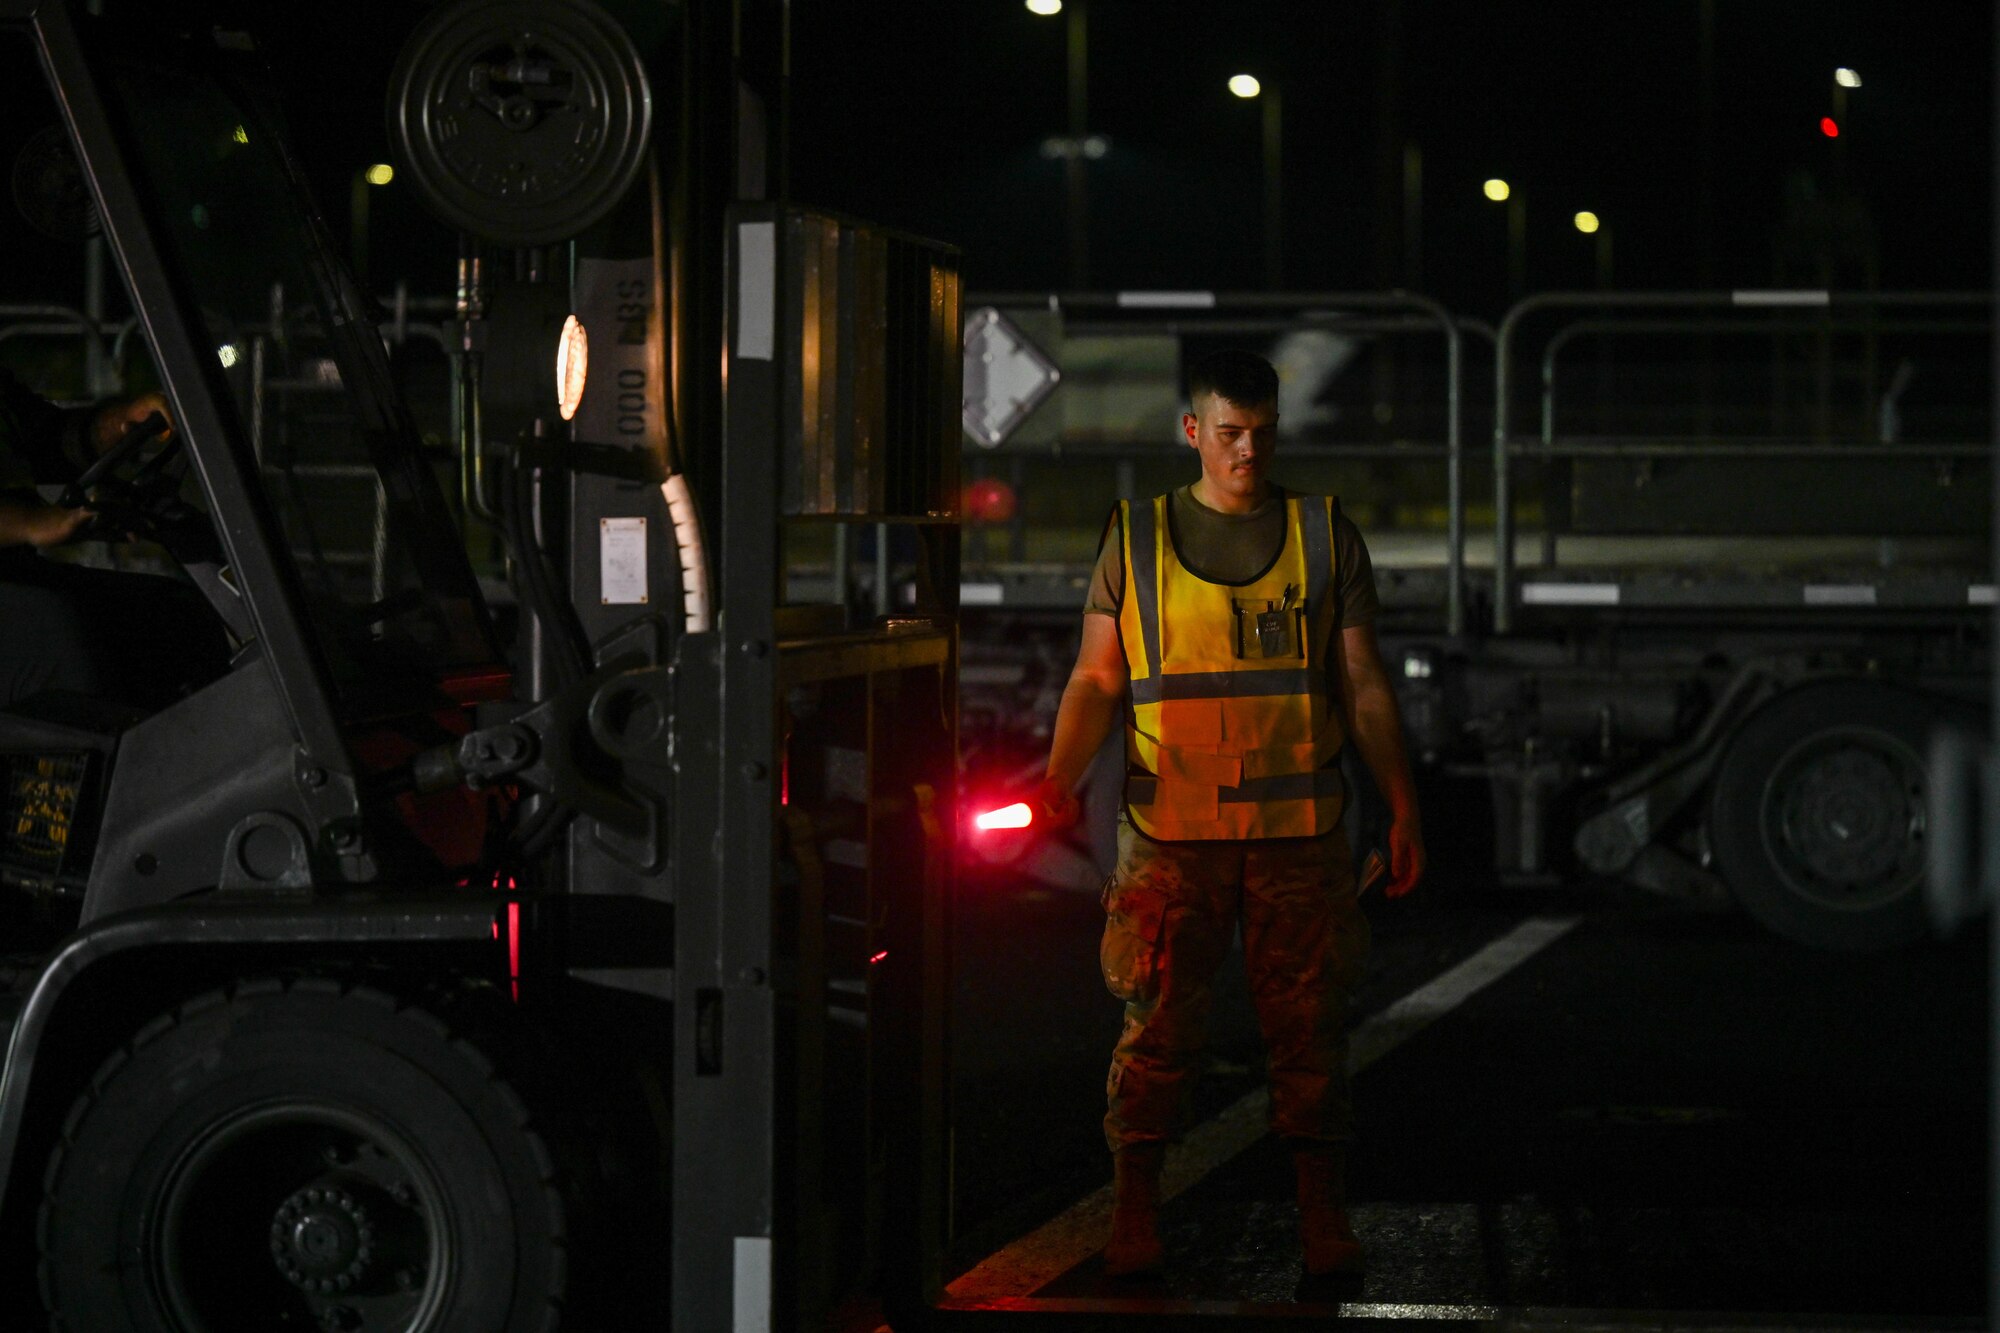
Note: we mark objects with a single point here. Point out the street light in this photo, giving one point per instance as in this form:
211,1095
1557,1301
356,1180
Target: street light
1247,86
374,174
1831,126
1079,138
1500,192
1591,225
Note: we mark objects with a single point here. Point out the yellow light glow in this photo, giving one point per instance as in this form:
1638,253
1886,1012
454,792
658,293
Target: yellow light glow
1245,85
1586,223
379,174
572,366
241,135
1497,190
1846,78
1045,7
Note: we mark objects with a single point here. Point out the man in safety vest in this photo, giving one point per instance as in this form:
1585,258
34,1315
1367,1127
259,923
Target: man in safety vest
1235,619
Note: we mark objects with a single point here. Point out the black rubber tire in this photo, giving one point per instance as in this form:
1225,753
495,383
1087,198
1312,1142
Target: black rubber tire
205,1125
1819,813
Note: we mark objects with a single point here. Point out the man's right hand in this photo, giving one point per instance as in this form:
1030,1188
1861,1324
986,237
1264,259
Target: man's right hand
52,525
1056,805
42,526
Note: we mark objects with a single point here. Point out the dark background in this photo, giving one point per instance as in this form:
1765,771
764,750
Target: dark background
930,116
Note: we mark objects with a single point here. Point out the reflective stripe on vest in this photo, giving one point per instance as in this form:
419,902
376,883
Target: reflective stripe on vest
1233,730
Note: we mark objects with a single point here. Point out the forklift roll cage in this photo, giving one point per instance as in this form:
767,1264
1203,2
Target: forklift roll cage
277,693
190,376
735,926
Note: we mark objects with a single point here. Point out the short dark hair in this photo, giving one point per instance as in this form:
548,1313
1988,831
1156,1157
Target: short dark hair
1234,375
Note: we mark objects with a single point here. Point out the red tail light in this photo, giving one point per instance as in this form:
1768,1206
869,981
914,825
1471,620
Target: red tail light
1017,815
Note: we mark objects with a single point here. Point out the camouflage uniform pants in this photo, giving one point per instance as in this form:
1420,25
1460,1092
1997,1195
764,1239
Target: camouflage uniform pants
1171,910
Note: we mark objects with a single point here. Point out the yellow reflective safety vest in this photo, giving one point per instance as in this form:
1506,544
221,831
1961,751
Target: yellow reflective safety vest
1233,729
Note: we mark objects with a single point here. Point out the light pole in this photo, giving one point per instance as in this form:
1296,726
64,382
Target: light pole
381,173
1247,86
1500,192
1074,155
1843,80
1593,226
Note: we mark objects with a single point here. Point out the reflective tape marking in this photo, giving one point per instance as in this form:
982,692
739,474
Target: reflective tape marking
752,1287
756,290
1804,296
1569,594
1840,594
1254,683
1166,300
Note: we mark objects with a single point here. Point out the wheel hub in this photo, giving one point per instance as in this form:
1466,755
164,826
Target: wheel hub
322,1239
1849,820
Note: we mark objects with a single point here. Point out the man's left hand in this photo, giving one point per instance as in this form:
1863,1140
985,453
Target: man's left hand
116,417
1406,856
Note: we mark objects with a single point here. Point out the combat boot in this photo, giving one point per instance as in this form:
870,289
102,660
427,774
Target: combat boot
1135,1210
1330,1243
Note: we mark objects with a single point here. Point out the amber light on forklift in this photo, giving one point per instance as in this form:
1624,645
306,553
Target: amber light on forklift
572,366
1017,815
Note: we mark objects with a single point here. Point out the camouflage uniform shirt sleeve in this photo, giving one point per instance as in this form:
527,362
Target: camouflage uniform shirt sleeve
38,440
1356,595
1107,580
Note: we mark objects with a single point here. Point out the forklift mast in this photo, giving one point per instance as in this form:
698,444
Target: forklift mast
625,906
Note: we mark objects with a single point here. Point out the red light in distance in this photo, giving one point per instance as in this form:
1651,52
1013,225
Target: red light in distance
989,500
1829,127
1017,815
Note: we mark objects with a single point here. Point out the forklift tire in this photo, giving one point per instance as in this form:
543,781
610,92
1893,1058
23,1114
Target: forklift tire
1819,815
300,1155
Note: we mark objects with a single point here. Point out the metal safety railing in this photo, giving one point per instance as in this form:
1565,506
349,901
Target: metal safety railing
103,373
1582,328
1205,312
318,376
1508,445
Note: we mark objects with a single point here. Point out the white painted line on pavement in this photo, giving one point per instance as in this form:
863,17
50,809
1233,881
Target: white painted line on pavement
1065,1240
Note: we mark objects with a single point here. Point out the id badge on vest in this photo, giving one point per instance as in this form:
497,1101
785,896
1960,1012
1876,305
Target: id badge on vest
1267,628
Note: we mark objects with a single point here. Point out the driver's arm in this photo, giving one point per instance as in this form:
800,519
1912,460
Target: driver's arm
37,438
26,521
41,443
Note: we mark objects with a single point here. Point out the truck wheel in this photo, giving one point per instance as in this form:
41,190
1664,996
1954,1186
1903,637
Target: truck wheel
1818,819
300,1156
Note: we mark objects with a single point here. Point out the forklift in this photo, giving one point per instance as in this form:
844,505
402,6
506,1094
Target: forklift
561,947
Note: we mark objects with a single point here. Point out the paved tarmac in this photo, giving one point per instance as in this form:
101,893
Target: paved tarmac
1652,1110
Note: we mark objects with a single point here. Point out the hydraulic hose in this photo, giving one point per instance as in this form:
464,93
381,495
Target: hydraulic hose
536,582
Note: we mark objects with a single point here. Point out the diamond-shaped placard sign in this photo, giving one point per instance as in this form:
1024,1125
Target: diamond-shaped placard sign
1006,376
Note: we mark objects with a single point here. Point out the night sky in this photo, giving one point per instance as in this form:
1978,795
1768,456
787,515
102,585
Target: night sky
930,116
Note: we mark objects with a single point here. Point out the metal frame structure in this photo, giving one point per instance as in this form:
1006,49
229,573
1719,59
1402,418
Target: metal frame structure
754,976
1217,312
1507,446
251,542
